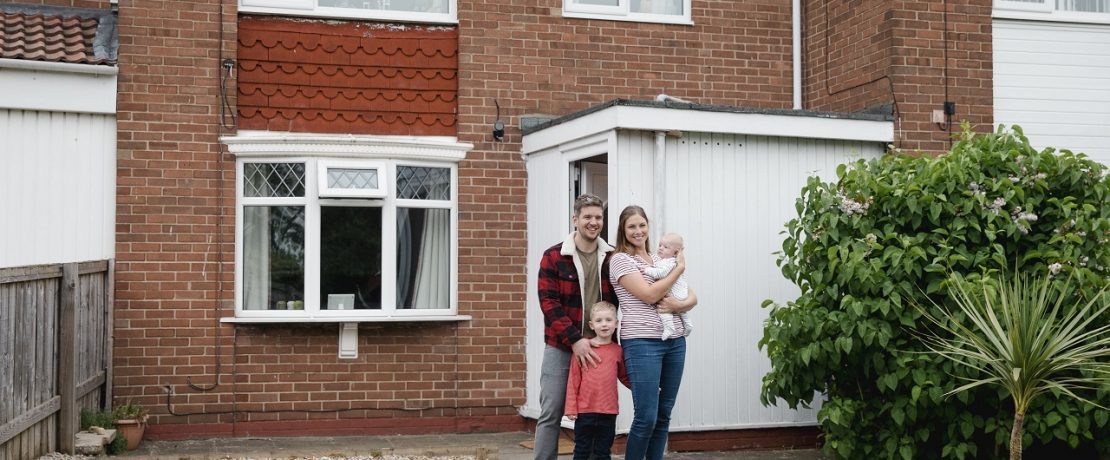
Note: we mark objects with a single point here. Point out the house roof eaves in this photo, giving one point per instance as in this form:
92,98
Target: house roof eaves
705,108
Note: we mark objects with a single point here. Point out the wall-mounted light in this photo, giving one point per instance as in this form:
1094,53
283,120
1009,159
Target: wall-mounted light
498,125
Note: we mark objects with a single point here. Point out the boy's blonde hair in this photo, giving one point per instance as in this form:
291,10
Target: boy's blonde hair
602,305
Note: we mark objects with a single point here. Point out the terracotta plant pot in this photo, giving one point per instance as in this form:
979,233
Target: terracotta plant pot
132,430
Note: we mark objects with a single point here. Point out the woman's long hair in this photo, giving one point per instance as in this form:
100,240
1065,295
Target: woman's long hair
622,242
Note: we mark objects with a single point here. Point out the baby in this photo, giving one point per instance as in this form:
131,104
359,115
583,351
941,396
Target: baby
669,246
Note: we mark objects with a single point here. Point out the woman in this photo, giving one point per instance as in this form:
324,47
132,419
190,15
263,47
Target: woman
654,365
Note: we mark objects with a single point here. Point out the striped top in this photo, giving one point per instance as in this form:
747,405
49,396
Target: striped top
638,319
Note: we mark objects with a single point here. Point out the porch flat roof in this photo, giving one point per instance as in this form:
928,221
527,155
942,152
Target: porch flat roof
680,116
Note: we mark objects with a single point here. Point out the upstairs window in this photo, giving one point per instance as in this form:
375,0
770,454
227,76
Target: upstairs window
661,11
434,11
1055,10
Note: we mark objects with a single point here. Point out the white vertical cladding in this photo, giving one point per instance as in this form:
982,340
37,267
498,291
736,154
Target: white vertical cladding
57,187
1053,79
548,223
729,196
631,175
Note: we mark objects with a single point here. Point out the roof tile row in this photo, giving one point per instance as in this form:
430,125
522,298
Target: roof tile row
46,37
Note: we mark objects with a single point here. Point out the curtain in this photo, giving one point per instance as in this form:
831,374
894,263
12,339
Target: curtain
432,288
256,258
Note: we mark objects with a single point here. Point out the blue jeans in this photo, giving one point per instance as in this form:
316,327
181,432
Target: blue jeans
655,370
593,436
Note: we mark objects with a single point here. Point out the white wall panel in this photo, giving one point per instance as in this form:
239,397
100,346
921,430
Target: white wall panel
57,187
548,223
729,196
1053,79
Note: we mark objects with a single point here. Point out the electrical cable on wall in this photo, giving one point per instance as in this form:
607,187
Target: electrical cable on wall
224,68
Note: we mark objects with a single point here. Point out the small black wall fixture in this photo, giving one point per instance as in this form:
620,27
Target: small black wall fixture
498,125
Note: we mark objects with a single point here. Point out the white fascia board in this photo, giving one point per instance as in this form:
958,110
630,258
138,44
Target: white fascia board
58,87
264,144
667,119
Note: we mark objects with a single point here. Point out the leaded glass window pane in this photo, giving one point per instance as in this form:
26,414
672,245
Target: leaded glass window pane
350,178
422,183
280,180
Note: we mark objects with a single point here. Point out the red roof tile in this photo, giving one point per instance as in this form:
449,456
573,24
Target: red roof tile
45,37
347,77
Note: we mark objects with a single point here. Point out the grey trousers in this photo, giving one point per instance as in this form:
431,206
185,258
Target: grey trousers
553,395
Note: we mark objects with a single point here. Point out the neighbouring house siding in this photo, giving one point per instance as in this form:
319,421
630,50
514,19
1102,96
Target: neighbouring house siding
1053,79
844,42
58,184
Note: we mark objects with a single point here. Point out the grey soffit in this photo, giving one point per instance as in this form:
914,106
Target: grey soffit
532,128
59,34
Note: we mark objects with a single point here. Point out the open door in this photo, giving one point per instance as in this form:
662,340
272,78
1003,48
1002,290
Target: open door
591,175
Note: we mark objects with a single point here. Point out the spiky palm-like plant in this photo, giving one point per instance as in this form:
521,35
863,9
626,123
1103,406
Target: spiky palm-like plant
1024,335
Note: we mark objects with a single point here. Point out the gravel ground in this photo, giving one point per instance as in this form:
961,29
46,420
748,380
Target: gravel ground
58,456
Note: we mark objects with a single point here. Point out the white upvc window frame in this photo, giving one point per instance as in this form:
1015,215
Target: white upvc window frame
312,8
316,152
622,12
1044,11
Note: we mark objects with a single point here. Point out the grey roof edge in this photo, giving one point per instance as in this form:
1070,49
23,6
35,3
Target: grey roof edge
106,43
706,108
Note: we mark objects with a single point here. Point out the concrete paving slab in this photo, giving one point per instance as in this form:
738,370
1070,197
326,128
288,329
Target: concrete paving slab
493,446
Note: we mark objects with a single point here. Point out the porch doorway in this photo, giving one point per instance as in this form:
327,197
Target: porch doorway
591,175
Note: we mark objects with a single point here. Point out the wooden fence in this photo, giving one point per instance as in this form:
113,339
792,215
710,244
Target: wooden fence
55,353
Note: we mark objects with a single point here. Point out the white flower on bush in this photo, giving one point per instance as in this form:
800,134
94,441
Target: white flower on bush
850,206
1022,220
996,206
974,186
1054,269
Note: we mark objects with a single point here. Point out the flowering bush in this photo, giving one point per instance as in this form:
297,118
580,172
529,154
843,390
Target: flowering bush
888,235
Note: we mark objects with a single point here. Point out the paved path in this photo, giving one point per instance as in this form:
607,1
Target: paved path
496,446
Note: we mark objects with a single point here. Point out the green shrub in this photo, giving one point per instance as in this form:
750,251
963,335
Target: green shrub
118,445
886,236
101,419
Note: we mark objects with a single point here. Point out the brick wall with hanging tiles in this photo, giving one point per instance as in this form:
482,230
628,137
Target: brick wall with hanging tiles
861,55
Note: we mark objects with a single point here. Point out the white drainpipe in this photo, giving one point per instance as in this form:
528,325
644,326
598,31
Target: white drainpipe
797,42
660,185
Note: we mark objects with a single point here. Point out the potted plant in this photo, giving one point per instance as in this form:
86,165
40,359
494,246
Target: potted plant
131,423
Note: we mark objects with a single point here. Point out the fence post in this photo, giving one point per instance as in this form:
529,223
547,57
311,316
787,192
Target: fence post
67,359
110,333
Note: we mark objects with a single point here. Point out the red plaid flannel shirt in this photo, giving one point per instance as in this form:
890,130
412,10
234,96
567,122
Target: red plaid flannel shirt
561,297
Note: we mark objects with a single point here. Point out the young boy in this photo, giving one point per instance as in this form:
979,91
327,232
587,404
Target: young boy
592,392
669,246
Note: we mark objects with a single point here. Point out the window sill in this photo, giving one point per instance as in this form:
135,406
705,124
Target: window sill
346,319
383,16
678,20
1056,16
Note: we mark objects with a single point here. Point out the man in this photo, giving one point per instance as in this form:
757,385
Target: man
572,274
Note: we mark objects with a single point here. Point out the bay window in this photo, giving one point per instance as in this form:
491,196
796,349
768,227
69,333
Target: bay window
346,239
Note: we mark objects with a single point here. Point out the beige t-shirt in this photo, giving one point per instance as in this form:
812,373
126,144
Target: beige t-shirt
591,287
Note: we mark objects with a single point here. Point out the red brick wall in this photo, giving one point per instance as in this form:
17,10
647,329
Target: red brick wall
176,197
858,51
171,237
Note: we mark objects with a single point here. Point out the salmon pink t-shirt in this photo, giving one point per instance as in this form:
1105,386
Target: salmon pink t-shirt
594,390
